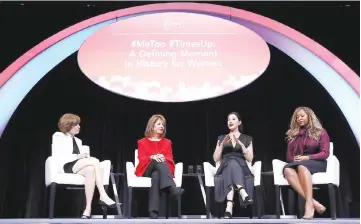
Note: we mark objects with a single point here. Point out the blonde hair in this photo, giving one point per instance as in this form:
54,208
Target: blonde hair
150,125
67,122
314,127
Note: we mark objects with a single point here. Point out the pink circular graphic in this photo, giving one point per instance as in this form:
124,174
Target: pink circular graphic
173,57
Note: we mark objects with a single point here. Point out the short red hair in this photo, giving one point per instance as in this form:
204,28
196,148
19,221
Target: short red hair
67,122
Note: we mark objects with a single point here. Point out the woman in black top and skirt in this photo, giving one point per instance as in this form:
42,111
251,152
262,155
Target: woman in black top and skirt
234,152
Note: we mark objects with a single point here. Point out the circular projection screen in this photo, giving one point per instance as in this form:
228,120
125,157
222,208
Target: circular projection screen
334,75
173,57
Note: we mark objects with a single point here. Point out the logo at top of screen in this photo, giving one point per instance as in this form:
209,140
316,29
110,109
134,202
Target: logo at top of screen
170,23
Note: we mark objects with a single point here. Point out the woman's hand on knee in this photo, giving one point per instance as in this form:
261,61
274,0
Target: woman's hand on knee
161,157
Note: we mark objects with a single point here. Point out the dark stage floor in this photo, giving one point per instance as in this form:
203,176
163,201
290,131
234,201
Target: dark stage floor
171,221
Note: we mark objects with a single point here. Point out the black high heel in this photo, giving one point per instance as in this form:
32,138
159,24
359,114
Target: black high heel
247,200
228,215
176,191
103,204
153,214
85,217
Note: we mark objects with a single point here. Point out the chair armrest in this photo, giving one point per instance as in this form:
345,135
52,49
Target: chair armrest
209,172
256,170
178,174
277,166
130,169
105,166
52,168
333,170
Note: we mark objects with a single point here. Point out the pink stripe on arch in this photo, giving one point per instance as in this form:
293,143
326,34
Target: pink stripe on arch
339,66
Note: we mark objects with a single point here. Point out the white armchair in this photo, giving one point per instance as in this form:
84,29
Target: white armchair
210,171
331,177
134,181
55,175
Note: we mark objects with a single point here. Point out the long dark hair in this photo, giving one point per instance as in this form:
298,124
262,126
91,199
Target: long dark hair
240,127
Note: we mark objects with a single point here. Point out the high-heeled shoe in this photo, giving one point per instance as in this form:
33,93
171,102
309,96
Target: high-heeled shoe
309,217
176,191
103,204
247,200
85,217
321,211
153,214
227,214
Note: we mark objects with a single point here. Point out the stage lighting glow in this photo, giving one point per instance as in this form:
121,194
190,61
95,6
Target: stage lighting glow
173,57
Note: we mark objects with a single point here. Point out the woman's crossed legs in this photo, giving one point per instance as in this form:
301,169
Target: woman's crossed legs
301,182
90,169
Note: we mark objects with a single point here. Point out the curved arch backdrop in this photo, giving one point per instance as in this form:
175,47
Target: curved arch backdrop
334,75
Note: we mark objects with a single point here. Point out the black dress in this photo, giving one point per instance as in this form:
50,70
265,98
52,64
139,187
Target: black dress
68,167
233,169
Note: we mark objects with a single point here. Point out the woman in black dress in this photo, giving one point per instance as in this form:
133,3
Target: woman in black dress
233,153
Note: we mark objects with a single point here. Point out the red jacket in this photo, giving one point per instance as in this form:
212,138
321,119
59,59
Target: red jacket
146,148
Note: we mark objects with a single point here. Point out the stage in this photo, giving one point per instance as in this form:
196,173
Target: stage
171,221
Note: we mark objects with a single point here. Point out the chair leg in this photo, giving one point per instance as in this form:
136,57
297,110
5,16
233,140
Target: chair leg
179,206
250,209
253,206
291,201
259,202
129,201
331,193
208,202
301,206
52,200
104,208
278,202
339,203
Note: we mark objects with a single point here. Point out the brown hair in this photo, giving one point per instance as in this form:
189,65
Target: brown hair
67,122
314,127
150,125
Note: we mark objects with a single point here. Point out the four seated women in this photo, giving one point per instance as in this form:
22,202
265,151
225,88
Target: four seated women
308,149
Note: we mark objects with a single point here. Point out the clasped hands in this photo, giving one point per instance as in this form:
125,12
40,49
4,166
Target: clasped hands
158,157
301,158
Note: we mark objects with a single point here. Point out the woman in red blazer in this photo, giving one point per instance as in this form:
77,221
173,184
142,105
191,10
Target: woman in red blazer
156,161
